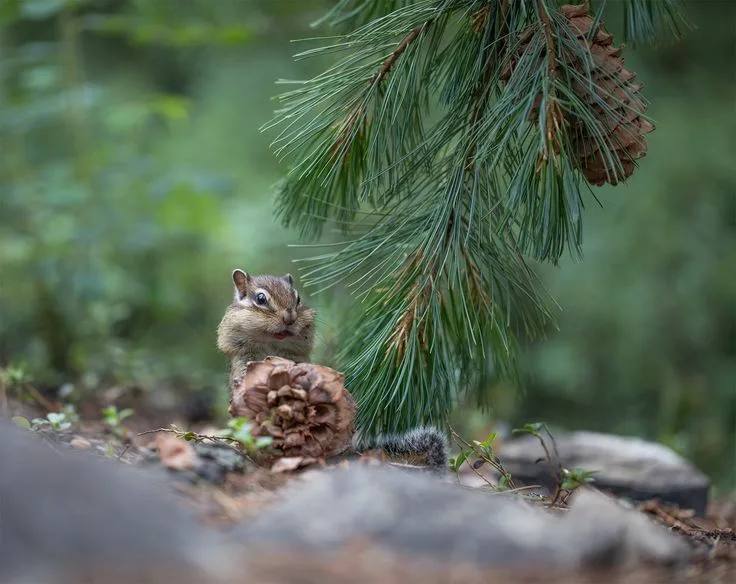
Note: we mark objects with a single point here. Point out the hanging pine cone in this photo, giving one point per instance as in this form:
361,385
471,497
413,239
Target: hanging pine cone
304,407
612,84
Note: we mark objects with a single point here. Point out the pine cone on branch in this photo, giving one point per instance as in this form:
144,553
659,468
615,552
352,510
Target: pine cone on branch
615,86
613,96
303,407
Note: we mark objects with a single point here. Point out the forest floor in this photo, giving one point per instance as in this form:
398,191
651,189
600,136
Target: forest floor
231,490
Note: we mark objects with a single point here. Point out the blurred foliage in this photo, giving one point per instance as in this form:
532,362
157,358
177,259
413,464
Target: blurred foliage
134,179
646,339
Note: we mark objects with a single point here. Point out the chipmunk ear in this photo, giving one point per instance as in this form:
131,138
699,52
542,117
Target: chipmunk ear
288,279
241,280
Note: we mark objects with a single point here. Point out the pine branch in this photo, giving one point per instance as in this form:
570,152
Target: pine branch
452,139
359,12
355,100
649,20
391,59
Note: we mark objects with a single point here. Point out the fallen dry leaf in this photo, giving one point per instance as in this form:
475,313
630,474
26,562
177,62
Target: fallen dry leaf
175,453
289,463
80,443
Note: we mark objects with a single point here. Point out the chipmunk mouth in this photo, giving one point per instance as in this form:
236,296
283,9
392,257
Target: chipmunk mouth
282,335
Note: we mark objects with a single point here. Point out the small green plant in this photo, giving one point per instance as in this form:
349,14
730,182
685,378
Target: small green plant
114,419
239,430
71,413
576,477
567,480
110,450
484,453
535,429
477,453
56,421
17,379
22,422
14,375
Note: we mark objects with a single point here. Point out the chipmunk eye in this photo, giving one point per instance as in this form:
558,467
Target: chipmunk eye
261,299
298,300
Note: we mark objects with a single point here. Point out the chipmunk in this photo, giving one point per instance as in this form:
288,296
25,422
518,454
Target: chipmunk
266,318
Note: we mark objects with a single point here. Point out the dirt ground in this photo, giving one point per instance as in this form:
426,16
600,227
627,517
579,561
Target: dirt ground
237,496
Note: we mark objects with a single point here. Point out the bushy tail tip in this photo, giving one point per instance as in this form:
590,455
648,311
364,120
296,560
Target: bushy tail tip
426,442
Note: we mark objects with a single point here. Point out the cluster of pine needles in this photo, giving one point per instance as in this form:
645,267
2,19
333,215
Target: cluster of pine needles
441,142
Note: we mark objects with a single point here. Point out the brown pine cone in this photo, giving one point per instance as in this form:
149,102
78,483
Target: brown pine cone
304,407
613,85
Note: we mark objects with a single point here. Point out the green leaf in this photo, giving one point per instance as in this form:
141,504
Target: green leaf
263,441
457,461
21,422
531,428
126,413
488,442
237,423
572,479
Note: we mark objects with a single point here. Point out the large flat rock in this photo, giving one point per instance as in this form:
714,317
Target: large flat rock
421,515
628,467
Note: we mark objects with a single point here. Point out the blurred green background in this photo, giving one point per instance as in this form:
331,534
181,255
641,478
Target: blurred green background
134,177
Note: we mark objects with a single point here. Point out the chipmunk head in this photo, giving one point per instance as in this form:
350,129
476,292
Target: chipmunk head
271,309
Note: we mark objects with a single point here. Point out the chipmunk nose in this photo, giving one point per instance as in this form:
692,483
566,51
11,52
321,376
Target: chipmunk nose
289,317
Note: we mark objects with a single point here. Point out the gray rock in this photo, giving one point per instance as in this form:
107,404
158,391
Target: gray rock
217,460
420,514
68,517
628,467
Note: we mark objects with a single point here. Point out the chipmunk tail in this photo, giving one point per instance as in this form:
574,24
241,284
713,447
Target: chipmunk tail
425,444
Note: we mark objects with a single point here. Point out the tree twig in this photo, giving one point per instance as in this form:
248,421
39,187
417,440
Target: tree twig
397,52
223,440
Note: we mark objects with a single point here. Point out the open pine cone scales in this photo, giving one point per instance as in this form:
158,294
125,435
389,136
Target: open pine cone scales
303,407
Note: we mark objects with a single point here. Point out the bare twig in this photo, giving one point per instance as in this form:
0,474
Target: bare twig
42,401
553,114
357,116
123,451
709,537
555,461
548,37
397,52
518,489
223,440
479,475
